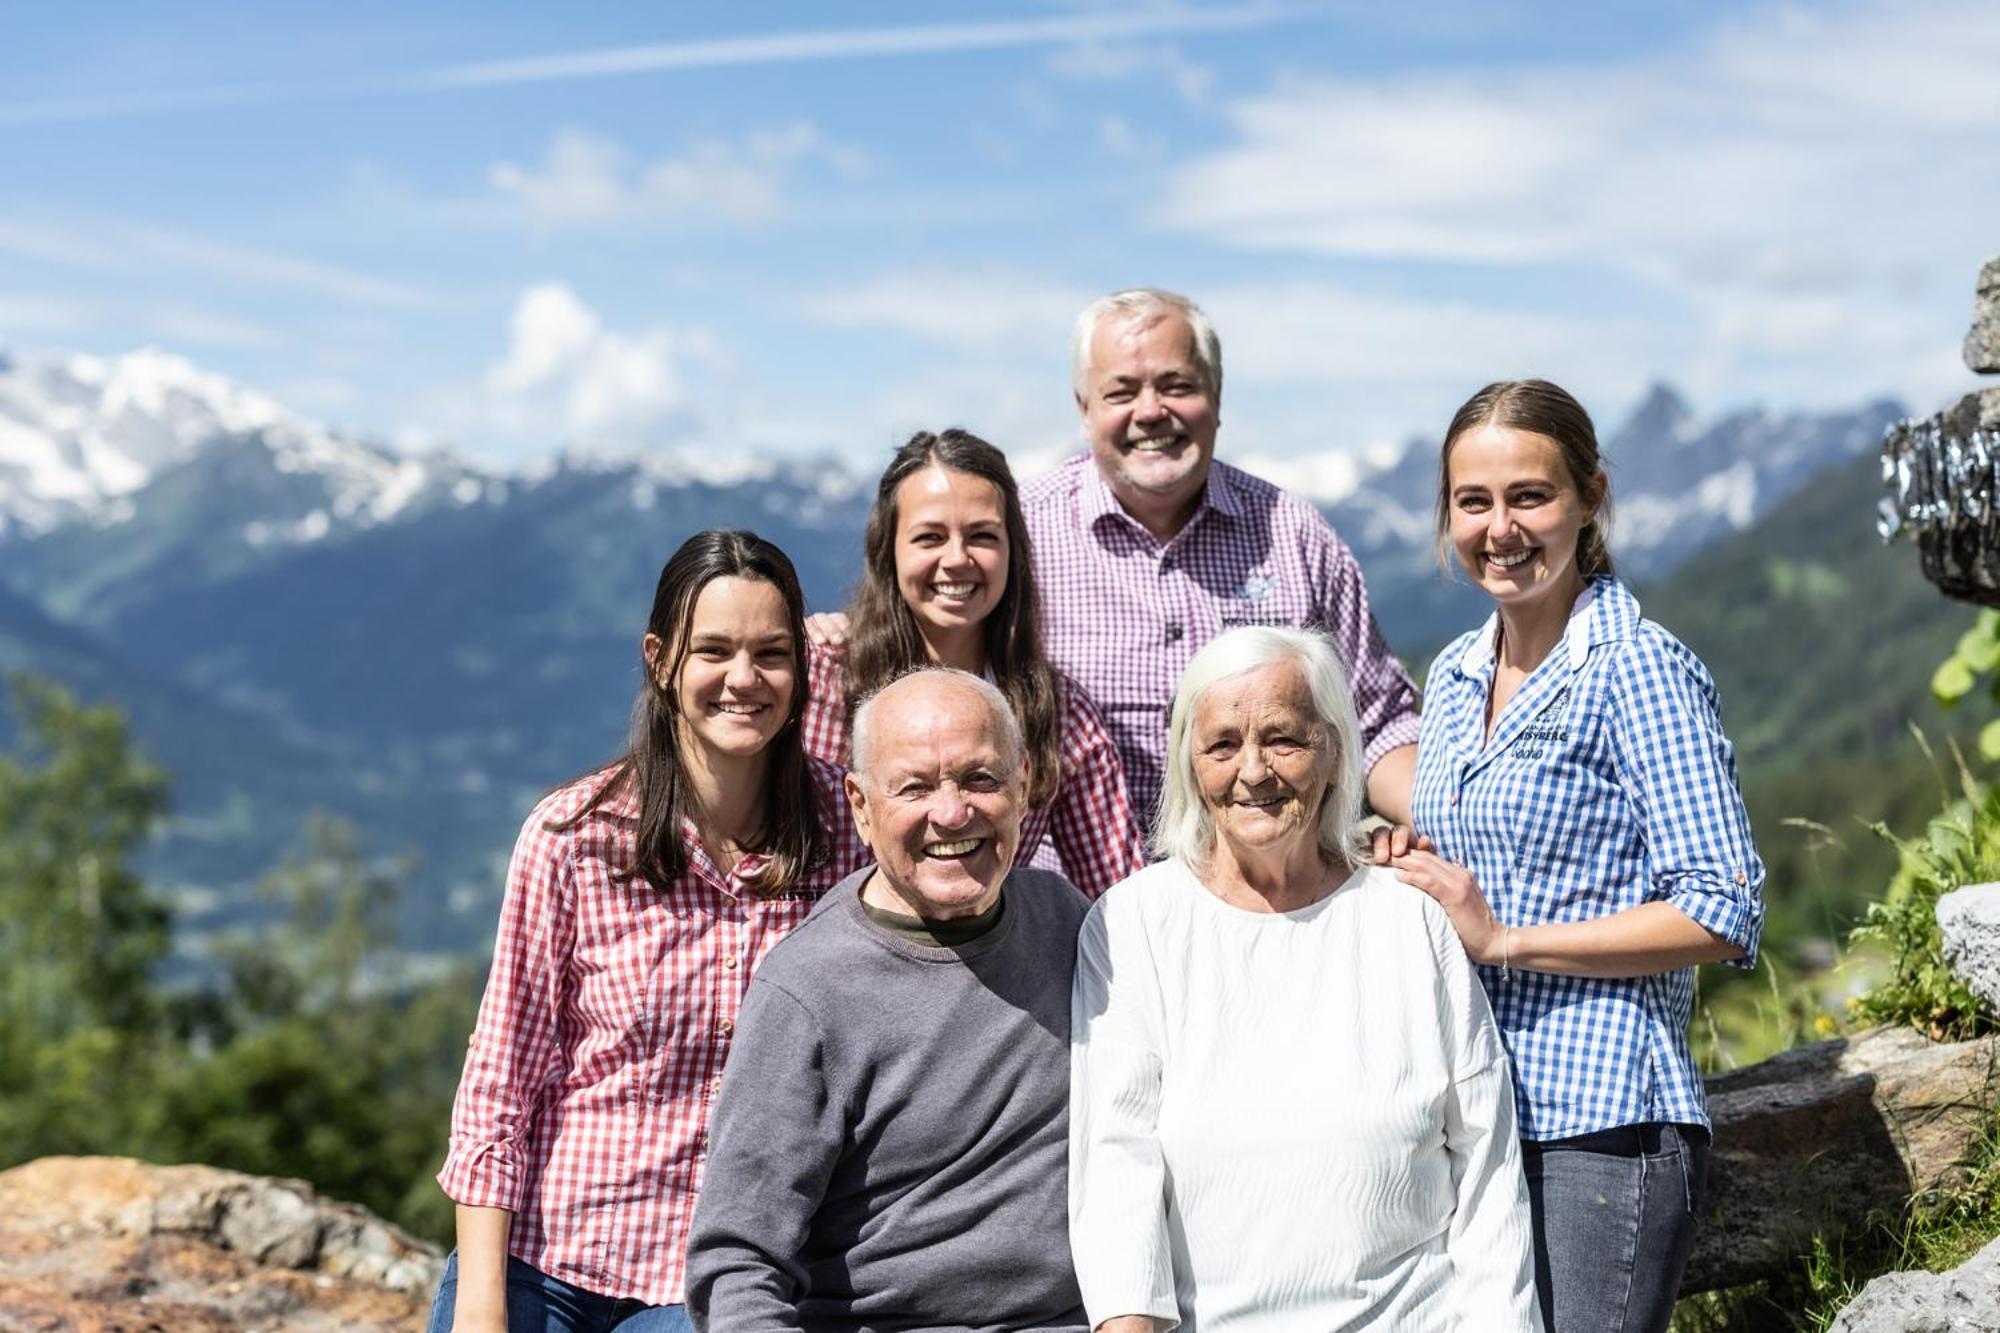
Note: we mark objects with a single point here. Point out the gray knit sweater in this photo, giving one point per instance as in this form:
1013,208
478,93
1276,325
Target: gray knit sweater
889,1148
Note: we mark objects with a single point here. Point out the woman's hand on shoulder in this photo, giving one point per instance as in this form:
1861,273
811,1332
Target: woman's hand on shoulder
1390,841
1458,893
828,630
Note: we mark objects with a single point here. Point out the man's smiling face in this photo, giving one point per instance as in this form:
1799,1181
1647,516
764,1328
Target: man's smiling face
1148,408
938,795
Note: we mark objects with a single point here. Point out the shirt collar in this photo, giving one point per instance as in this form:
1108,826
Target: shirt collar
1604,612
1098,501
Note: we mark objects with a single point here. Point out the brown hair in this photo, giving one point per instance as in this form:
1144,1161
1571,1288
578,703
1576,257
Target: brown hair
794,836
884,641
1546,409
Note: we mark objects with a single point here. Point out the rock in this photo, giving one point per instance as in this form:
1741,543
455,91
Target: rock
110,1243
1969,919
1965,1300
1982,341
1814,1139
1979,410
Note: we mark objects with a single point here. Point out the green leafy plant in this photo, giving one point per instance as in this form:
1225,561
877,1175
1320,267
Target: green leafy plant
1977,655
1961,846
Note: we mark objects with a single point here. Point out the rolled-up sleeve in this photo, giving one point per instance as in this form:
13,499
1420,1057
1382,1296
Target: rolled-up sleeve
1117,1173
515,1056
1679,771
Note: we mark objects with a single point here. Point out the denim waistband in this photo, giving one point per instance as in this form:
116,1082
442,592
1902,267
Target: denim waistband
1642,1140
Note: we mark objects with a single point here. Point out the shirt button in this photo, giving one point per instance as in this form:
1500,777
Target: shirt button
724,1028
715,1085
729,962
1173,633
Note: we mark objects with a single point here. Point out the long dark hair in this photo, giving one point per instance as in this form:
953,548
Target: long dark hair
794,837
884,641
1540,408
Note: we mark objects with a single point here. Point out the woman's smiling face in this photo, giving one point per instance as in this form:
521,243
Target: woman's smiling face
733,686
1262,759
1515,515
952,551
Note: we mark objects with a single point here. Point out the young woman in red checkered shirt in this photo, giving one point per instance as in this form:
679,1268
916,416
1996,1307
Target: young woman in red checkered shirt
640,899
946,578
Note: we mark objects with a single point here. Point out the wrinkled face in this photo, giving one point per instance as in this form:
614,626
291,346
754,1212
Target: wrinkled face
734,688
1261,758
940,802
951,548
1147,408
1515,515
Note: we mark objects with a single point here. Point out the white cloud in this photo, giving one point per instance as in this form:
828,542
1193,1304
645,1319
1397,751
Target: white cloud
965,309
566,375
1813,188
588,180
669,57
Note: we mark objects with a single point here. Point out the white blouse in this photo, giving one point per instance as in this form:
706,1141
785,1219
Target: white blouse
1286,1122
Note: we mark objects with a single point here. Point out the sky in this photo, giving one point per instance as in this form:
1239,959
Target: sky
763,228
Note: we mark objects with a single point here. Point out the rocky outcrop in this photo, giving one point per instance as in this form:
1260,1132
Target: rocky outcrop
1815,1139
91,1243
1965,1300
1969,921
1982,340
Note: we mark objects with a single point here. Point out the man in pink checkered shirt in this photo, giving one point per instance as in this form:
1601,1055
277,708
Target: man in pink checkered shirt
1147,547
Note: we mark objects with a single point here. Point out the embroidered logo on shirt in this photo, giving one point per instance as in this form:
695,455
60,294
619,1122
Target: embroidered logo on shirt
1539,734
1256,586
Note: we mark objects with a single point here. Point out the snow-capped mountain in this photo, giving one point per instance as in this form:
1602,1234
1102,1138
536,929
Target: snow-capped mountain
82,437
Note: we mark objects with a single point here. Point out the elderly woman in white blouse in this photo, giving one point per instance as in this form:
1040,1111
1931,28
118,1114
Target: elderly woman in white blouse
1289,1105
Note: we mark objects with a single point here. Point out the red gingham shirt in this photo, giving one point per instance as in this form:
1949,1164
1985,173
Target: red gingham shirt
601,1037
1124,613
1090,821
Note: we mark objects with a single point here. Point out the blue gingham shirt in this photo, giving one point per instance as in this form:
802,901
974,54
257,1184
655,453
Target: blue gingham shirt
1607,783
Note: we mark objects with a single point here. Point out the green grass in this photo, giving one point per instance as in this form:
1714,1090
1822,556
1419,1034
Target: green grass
1935,1232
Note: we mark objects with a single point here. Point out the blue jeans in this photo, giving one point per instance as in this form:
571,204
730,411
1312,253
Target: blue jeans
538,1303
1614,1216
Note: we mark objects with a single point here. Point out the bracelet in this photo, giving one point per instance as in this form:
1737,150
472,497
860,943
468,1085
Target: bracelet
1506,952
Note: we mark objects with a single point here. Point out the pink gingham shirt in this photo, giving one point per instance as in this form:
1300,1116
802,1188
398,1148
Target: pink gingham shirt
607,1016
1089,822
1124,613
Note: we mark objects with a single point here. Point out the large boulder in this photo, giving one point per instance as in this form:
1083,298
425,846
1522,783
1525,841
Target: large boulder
1969,921
1982,341
1813,1140
107,1242
1965,1300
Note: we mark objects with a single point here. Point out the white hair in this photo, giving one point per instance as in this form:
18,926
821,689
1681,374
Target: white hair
1145,305
1184,829
1006,727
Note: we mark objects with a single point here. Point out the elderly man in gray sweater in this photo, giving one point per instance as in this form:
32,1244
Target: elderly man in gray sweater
889,1148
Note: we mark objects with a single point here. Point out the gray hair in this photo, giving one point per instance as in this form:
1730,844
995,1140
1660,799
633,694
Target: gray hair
1145,305
1184,829
1007,728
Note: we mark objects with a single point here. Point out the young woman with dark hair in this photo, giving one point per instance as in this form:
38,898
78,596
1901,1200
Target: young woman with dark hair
946,578
1591,848
640,899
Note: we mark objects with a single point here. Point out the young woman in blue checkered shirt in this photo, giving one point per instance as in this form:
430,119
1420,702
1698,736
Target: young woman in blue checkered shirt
1590,846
